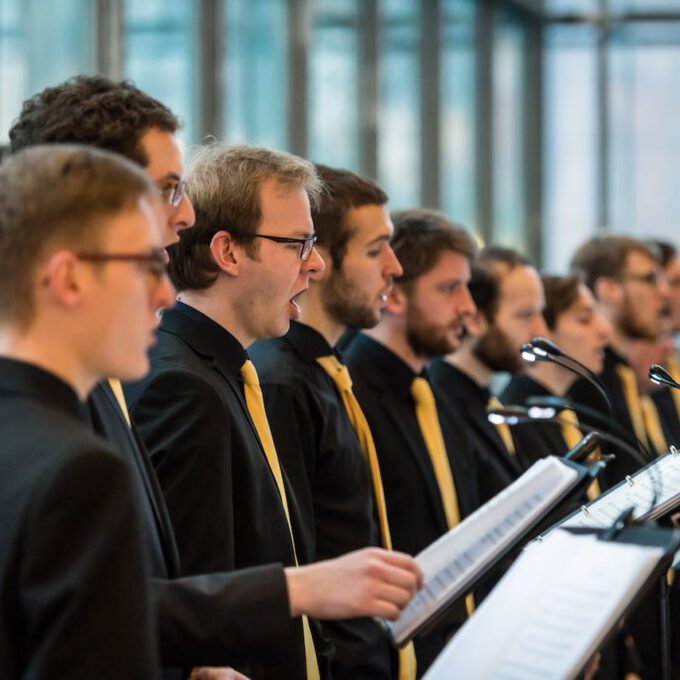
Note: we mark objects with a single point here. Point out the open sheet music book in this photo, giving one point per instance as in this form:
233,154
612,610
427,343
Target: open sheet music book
662,476
551,611
453,563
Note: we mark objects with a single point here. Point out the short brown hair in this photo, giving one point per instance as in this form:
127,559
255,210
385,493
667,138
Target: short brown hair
92,110
421,235
491,265
56,195
561,292
224,184
342,191
606,257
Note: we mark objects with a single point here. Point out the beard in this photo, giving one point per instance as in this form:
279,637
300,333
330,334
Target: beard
495,351
347,304
430,340
630,324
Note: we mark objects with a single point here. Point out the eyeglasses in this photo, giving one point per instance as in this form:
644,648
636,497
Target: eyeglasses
153,261
650,278
173,193
306,244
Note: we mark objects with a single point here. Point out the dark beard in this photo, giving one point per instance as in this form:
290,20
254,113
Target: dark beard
427,340
496,352
629,325
345,304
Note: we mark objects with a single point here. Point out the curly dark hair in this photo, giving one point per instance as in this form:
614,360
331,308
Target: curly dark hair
92,110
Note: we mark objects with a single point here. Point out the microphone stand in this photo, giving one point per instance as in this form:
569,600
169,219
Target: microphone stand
542,349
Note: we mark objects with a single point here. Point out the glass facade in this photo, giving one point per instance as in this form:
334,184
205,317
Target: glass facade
437,99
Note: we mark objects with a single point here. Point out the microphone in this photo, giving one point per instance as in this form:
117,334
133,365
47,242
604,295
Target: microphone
516,415
560,404
660,376
542,349
585,447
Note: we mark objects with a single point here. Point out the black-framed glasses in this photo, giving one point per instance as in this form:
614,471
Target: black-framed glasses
153,261
306,244
173,193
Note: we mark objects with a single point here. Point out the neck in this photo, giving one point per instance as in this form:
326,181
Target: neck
555,378
315,315
53,357
619,342
216,305
395,340
466,361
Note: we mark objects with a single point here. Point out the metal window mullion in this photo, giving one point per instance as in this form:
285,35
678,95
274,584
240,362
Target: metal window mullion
430,132
298,46
108,30
368,87
209,46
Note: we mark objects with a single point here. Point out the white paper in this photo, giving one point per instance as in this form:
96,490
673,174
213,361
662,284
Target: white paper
550,612
450,564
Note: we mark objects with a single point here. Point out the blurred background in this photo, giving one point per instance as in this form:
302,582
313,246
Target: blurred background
535,123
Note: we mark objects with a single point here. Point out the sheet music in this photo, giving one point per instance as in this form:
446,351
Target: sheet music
663,476
450,564
550,612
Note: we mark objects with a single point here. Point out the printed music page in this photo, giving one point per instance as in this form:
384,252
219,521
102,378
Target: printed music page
550,613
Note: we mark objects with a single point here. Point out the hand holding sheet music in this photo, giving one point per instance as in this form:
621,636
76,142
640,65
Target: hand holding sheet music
451,564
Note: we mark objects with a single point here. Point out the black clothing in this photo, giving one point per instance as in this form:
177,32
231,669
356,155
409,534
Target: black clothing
668,415
465,398
221,495
582,392
536,439
73,576
322,457
382,384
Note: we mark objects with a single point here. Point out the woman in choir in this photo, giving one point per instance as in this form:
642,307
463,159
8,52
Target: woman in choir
579,329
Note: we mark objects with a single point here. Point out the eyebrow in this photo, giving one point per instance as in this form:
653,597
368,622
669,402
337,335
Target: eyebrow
378,239
169,176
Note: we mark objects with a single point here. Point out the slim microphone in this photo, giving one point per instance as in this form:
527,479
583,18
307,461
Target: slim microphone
517,415
660,376
542,349
585,447
560,404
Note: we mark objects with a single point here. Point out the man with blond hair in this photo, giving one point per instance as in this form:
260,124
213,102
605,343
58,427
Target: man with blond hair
200,410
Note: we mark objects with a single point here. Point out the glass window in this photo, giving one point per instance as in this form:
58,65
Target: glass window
458,117
644,101
399,93
256,68
509,130
333,84
572,6
159,56
41,44
570,158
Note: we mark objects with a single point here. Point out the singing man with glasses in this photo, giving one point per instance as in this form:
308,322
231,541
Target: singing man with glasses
200,410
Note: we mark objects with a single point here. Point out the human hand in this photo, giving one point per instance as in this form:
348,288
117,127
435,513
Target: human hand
368,582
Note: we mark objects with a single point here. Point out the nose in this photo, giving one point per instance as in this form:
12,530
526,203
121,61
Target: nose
314,264
393,267
183,216
466,306
164,294
538,326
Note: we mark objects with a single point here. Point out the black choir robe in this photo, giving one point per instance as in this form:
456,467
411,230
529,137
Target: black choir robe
220,493
382,384
73,575
320,451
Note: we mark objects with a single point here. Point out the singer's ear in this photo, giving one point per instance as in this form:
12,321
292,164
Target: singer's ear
608,291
